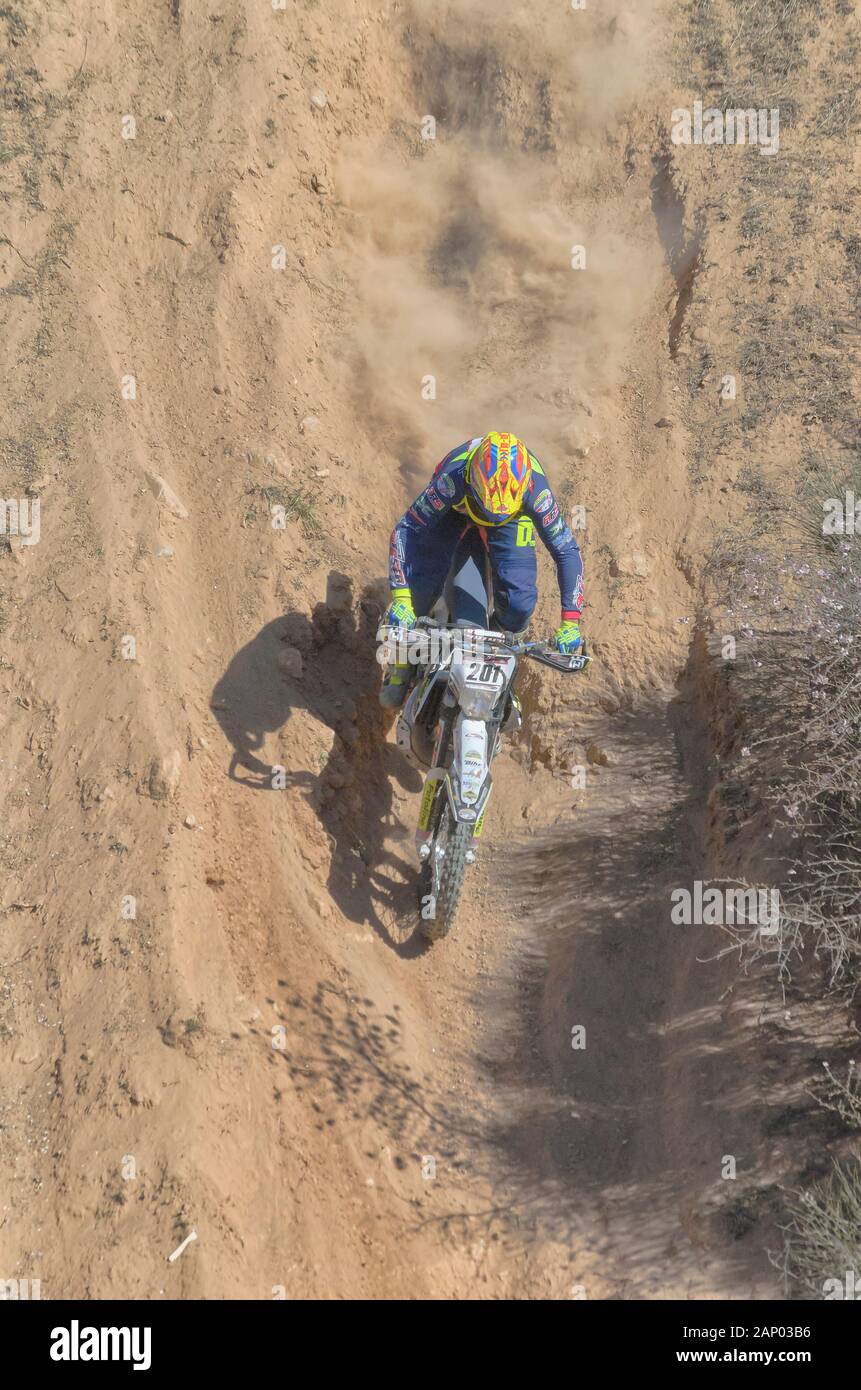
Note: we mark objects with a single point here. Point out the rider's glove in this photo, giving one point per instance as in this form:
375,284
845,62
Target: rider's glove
567,637
400,612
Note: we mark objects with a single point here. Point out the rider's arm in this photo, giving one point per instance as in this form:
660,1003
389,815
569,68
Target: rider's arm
445,488
542,507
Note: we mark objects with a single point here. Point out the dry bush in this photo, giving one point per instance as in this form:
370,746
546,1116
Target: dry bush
798,677
842,1096
822,1236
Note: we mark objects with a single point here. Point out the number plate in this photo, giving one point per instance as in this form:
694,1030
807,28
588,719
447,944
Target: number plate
484,673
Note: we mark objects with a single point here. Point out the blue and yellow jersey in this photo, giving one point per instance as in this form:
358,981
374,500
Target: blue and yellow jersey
447,491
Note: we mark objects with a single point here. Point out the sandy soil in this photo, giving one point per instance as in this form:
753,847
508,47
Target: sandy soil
231,261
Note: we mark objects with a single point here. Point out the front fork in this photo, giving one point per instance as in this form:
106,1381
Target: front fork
434,794
434,790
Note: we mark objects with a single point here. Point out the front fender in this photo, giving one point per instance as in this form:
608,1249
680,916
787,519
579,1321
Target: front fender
468,784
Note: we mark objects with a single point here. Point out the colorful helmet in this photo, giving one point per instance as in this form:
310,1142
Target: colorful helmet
497,472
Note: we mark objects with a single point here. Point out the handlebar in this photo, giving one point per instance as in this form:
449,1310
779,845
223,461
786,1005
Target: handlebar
543,651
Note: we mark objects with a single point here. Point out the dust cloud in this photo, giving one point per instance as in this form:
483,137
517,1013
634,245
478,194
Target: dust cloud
497,276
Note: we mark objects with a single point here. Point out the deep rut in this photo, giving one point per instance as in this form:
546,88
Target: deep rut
628,1083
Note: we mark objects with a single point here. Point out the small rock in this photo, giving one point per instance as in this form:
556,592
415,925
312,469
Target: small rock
319,185
165,494
290,662
701,335
190,822
631,566
319,99
164,776
322,473
309,423
596,756
165,552
665,423
313,853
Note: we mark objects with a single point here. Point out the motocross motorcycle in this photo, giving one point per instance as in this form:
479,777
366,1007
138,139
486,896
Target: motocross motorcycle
461,704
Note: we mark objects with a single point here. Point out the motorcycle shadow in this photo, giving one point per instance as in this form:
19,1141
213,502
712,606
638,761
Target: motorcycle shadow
324,666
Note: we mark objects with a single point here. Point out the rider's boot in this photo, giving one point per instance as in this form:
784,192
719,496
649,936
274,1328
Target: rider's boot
507,633
395,686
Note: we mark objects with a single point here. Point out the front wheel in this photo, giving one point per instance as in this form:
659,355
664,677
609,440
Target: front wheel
443,876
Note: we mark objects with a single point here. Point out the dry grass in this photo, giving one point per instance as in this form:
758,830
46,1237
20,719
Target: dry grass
842,1095
822,1235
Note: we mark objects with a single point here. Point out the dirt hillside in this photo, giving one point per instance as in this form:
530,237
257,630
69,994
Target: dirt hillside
249,298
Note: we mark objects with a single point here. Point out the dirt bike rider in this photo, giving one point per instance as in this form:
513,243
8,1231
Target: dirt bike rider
479,512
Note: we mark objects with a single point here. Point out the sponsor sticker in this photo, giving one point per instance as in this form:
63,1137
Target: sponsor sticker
543,502
396,561
445,485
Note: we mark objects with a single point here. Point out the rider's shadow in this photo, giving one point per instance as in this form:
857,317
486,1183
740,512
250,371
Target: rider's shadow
352,793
